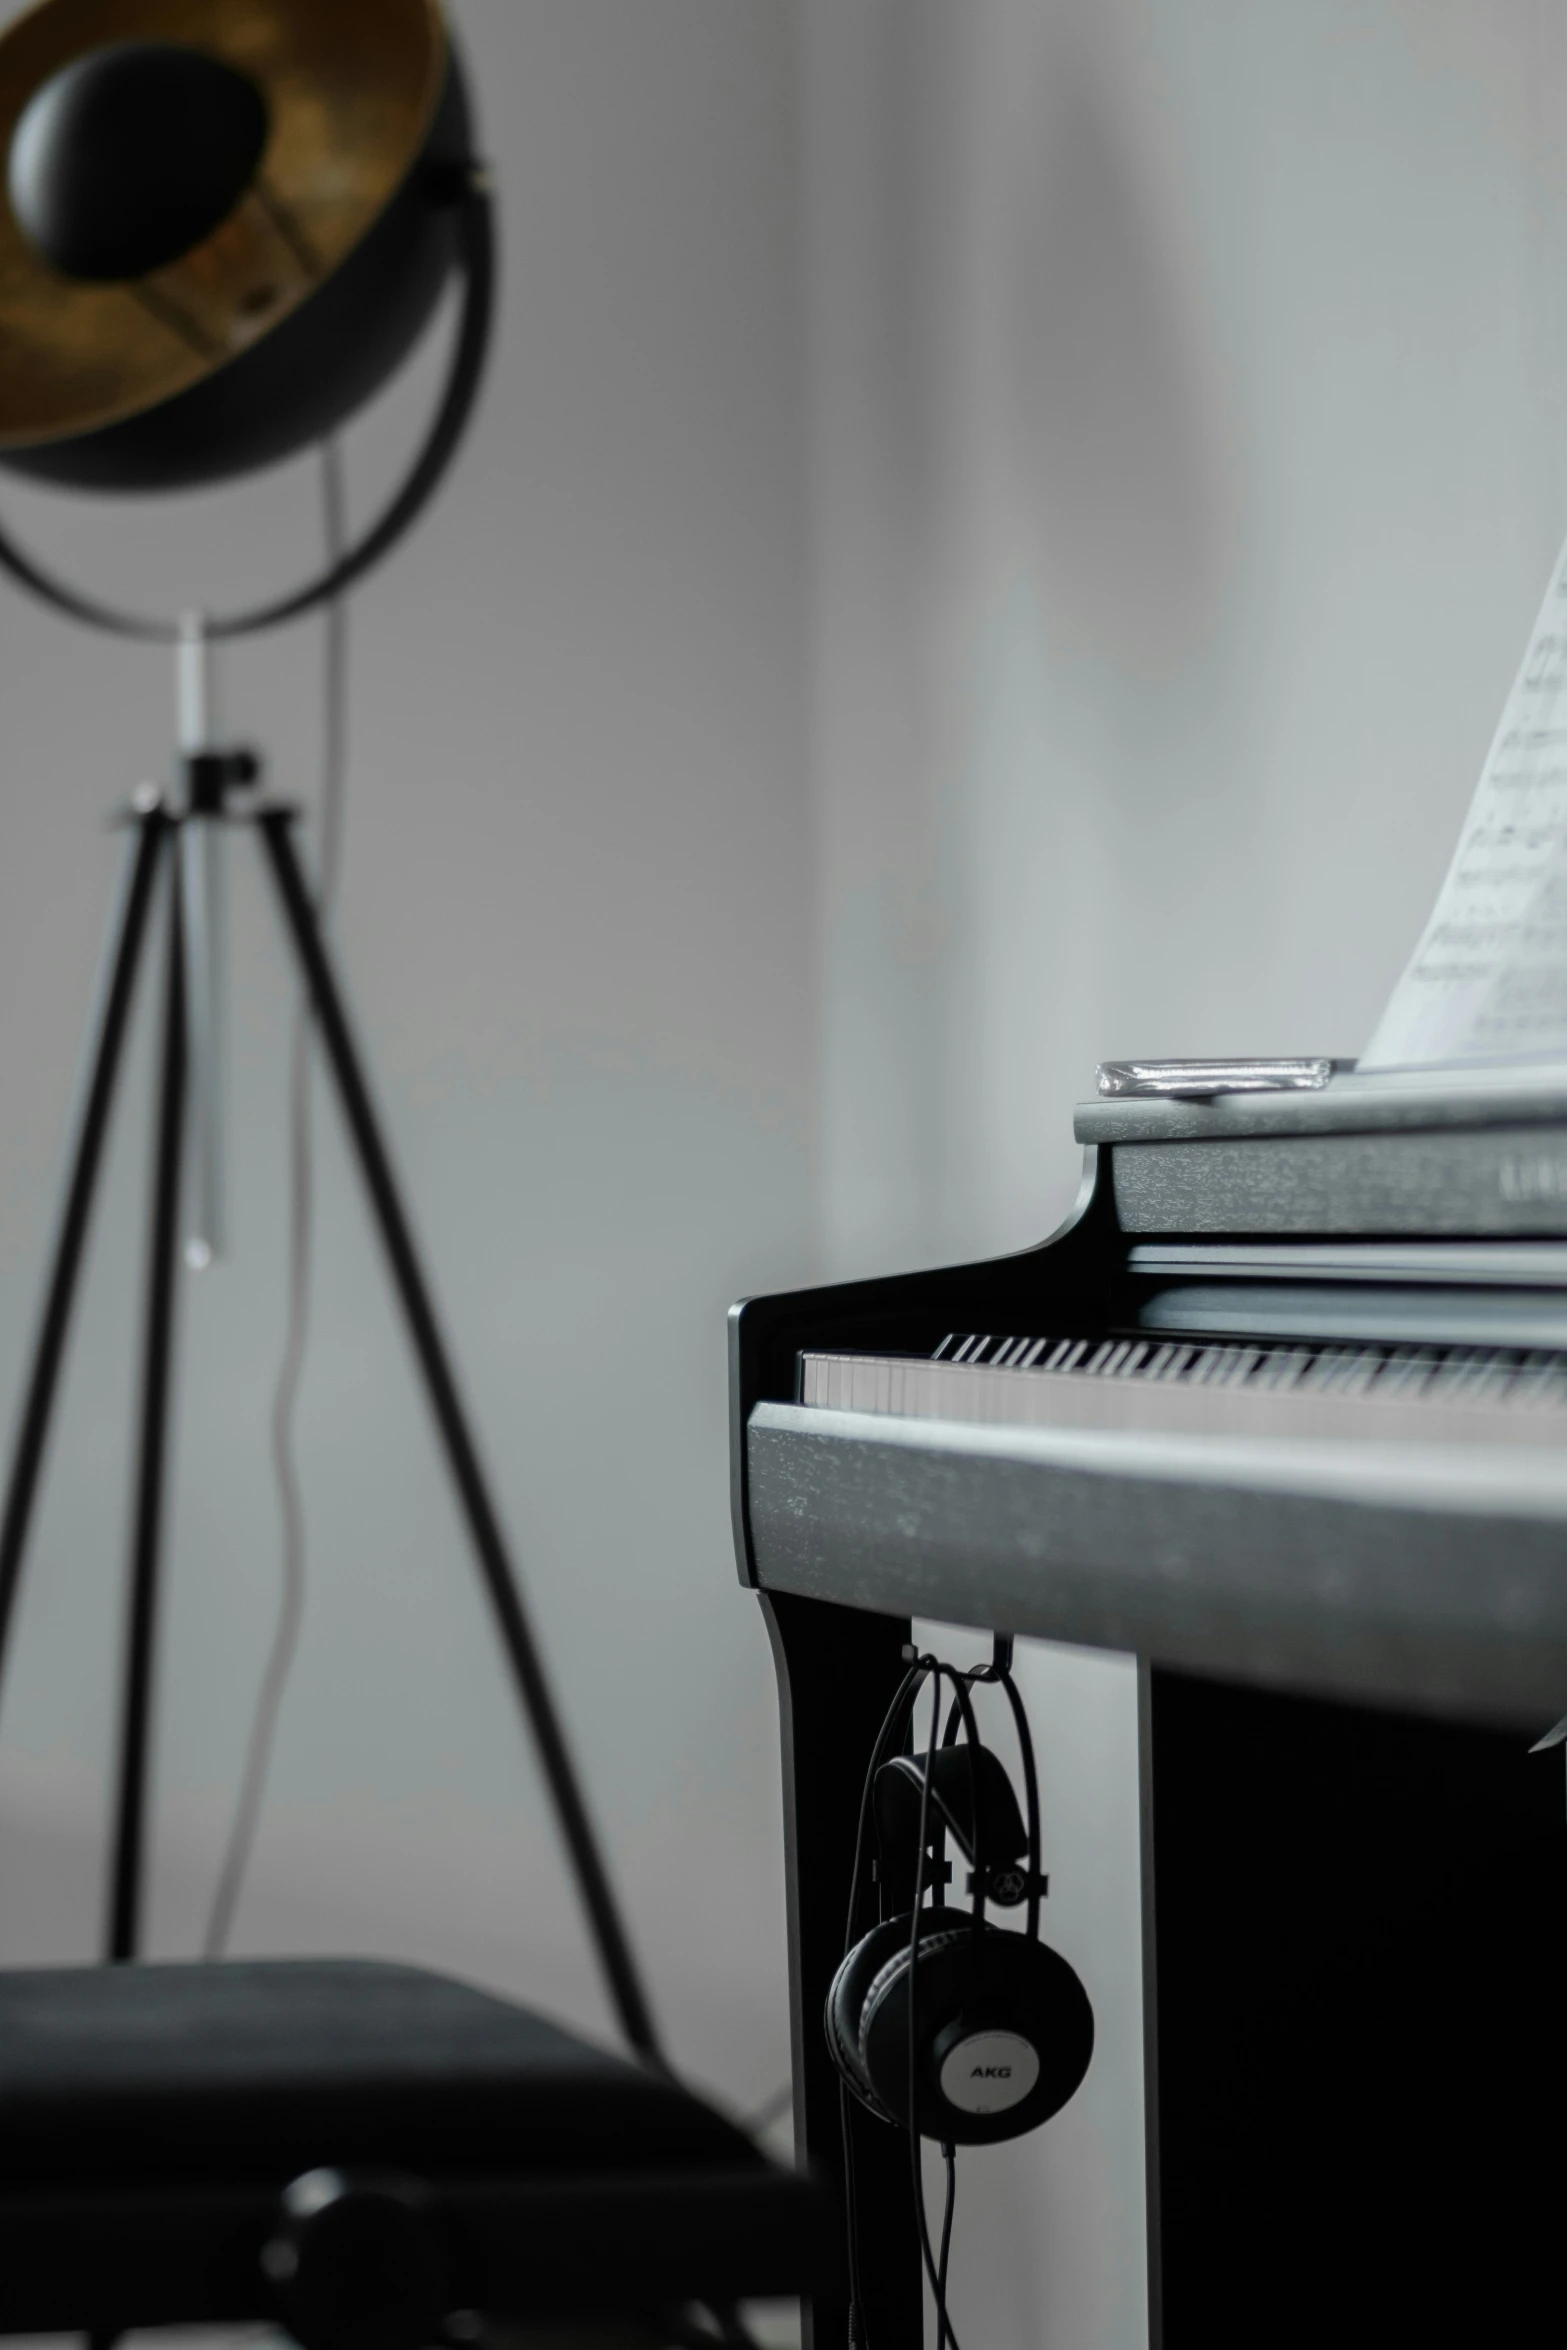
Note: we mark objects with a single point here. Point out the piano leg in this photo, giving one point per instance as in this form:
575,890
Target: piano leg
1358,1927
838,1670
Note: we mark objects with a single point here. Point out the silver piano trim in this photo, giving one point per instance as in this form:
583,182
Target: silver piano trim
1377,1103
1428,1576
1207,1080
1532,1264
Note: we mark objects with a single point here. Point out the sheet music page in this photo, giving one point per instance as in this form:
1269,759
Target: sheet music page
1488,980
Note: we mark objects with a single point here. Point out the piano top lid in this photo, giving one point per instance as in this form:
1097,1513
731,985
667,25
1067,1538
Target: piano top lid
1375,1102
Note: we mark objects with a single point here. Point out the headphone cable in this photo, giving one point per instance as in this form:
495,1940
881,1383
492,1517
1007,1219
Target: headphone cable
949,2155
851,2214
946,2338
858,2338
1025,1742
932,1668
921,1668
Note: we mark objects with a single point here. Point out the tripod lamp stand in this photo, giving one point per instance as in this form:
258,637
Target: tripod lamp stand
228,222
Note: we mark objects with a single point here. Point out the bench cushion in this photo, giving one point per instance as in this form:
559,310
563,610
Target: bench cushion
256,2070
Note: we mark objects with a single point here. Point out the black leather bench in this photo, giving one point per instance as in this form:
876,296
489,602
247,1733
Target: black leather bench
373,2154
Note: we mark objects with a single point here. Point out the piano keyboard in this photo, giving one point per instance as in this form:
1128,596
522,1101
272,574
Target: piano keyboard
1267,1438
1390,1393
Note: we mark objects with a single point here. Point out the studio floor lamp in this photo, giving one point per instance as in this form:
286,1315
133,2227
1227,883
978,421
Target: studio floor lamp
225,223
228,222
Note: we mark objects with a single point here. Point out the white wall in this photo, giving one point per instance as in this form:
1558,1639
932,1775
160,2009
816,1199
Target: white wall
576,922
1189,382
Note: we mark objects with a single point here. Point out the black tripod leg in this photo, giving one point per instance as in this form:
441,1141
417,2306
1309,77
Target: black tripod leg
152,1453
116,987
527,1667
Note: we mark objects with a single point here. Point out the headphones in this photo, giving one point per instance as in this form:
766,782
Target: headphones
937,2018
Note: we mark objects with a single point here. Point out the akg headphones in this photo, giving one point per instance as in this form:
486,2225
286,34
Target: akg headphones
937,2013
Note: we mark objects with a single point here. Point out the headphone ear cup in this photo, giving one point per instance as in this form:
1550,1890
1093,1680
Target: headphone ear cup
846,1999
1003,2032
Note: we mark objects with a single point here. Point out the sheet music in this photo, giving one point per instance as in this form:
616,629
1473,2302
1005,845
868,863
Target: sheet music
1488,980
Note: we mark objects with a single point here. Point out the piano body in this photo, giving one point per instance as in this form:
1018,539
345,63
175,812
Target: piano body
1281,1409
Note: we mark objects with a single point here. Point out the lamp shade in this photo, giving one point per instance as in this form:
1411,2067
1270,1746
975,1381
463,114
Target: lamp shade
224,224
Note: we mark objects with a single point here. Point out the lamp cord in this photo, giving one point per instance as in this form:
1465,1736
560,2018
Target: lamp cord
285,1464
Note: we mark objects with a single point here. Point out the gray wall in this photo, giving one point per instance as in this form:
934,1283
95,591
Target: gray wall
1113,448
1190,390
1191,457
576,921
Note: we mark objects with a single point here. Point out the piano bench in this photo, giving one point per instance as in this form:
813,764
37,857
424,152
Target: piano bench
373,2154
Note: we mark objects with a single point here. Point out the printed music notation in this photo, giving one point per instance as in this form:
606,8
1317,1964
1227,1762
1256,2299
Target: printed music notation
1488,980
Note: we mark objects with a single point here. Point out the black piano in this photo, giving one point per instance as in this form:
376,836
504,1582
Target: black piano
1282,1410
